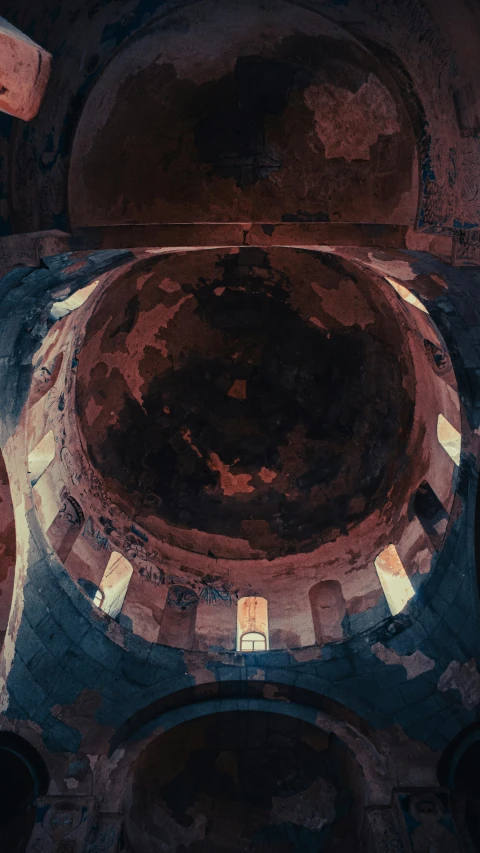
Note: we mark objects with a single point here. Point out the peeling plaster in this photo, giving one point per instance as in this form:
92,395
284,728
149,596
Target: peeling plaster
348,123
466,679
415,664
398,269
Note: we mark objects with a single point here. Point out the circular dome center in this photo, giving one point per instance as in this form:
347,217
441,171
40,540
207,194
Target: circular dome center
250,395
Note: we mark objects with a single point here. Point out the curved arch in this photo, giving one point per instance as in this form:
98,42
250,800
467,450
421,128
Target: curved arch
32,759
23,778
476,537
454,752
7,549
458,770
377,782
208,136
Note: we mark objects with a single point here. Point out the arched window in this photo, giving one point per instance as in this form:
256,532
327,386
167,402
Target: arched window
252,624
395,582
40,457
449,438
114,585
253,642
328,611
61,309
406,294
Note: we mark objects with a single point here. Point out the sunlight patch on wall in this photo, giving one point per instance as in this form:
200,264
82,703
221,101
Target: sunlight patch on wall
76,300
395,582
406,294
114,585
40,457
449,438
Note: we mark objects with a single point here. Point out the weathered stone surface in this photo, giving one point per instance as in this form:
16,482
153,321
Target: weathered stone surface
415,664
466,679
24,72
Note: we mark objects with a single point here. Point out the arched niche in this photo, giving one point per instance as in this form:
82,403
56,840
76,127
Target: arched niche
23,778
175,132
458,771
177,626
7,549
431,513
45,375
66,527
328,611
437,356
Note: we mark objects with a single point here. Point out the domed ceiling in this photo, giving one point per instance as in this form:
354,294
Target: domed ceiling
270,117
265,397
246,422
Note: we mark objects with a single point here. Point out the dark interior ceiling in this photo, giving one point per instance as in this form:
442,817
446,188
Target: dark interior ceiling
253,405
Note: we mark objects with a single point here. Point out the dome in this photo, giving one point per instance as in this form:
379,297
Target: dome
232,394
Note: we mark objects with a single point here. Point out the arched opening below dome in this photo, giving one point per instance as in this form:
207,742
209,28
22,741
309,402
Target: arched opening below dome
467,793
23,777
244,780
